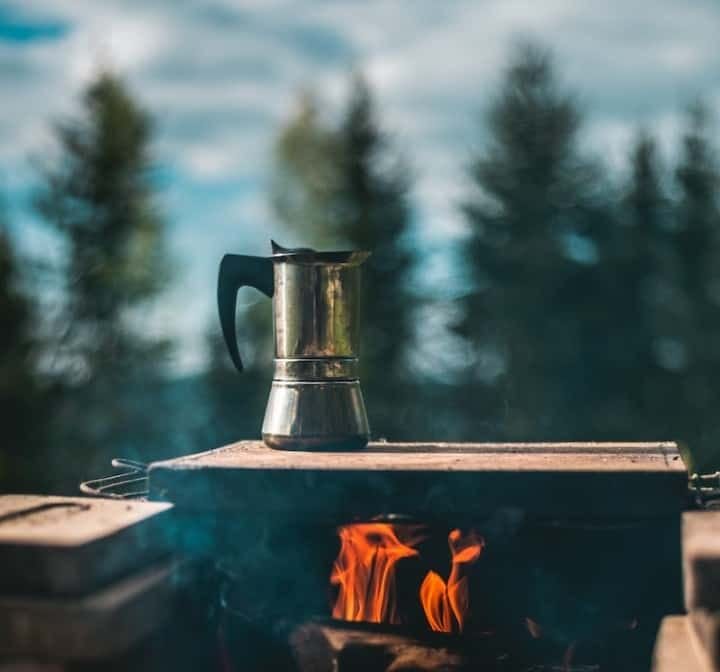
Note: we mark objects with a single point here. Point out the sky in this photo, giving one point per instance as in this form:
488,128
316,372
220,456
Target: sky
220,78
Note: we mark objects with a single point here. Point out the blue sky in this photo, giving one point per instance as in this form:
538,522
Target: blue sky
221,77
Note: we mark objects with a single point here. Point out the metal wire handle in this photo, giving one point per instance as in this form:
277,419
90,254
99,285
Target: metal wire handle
132,483
705,487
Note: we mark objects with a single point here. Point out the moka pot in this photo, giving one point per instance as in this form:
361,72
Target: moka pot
315,401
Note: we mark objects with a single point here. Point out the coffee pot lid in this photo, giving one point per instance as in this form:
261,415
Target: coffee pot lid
306,255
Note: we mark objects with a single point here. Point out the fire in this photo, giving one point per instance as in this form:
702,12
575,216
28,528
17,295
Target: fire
364,571
447,605
433,595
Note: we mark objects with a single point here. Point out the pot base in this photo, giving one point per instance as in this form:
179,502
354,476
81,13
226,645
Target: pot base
326,443
316,415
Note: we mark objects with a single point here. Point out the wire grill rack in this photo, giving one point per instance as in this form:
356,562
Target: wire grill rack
130,483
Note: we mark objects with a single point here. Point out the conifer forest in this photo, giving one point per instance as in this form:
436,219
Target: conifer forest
585,306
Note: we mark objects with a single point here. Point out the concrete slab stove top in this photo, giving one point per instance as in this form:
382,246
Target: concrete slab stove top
570,480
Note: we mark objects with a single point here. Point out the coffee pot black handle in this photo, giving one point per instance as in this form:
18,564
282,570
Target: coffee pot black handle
238,271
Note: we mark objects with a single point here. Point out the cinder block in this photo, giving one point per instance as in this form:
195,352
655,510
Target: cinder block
706,626
677,648
71,545
97,626
701,560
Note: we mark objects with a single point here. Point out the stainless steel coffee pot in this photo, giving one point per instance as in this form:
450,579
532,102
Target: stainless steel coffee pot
315,400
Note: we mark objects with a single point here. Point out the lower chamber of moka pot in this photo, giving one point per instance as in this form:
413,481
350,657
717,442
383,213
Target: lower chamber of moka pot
316,415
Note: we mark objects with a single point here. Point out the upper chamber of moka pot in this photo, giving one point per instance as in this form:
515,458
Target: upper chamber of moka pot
316,303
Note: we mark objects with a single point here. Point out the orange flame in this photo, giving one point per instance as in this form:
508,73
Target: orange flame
364,571
433,596
446,605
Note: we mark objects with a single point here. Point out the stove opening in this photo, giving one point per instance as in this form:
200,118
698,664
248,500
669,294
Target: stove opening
492,593
501,592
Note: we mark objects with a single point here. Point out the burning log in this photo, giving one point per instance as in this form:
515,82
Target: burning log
319,647
352,647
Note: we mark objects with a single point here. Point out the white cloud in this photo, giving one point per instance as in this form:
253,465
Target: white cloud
220,77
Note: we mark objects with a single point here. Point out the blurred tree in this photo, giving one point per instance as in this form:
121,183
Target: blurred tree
306,176
373,213
538,229
302,184
237,401
301,181
340,185
98,194
696,239
642,302
23,399
645,206
698,209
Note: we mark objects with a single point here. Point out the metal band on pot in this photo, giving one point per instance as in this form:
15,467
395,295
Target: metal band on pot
336,368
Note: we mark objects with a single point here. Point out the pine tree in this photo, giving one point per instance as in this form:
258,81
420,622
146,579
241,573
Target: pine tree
99,197
306,176
645,204
644,357
98,194
699,208
348,189
696,239
22,398
536,237
237,401
300,183
374,214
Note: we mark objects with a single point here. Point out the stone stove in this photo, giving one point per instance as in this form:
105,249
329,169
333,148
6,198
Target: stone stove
580,556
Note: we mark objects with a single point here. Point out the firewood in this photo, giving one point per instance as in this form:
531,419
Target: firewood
320,647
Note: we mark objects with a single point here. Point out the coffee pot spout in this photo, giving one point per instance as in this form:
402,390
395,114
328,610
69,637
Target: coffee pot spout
309,256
